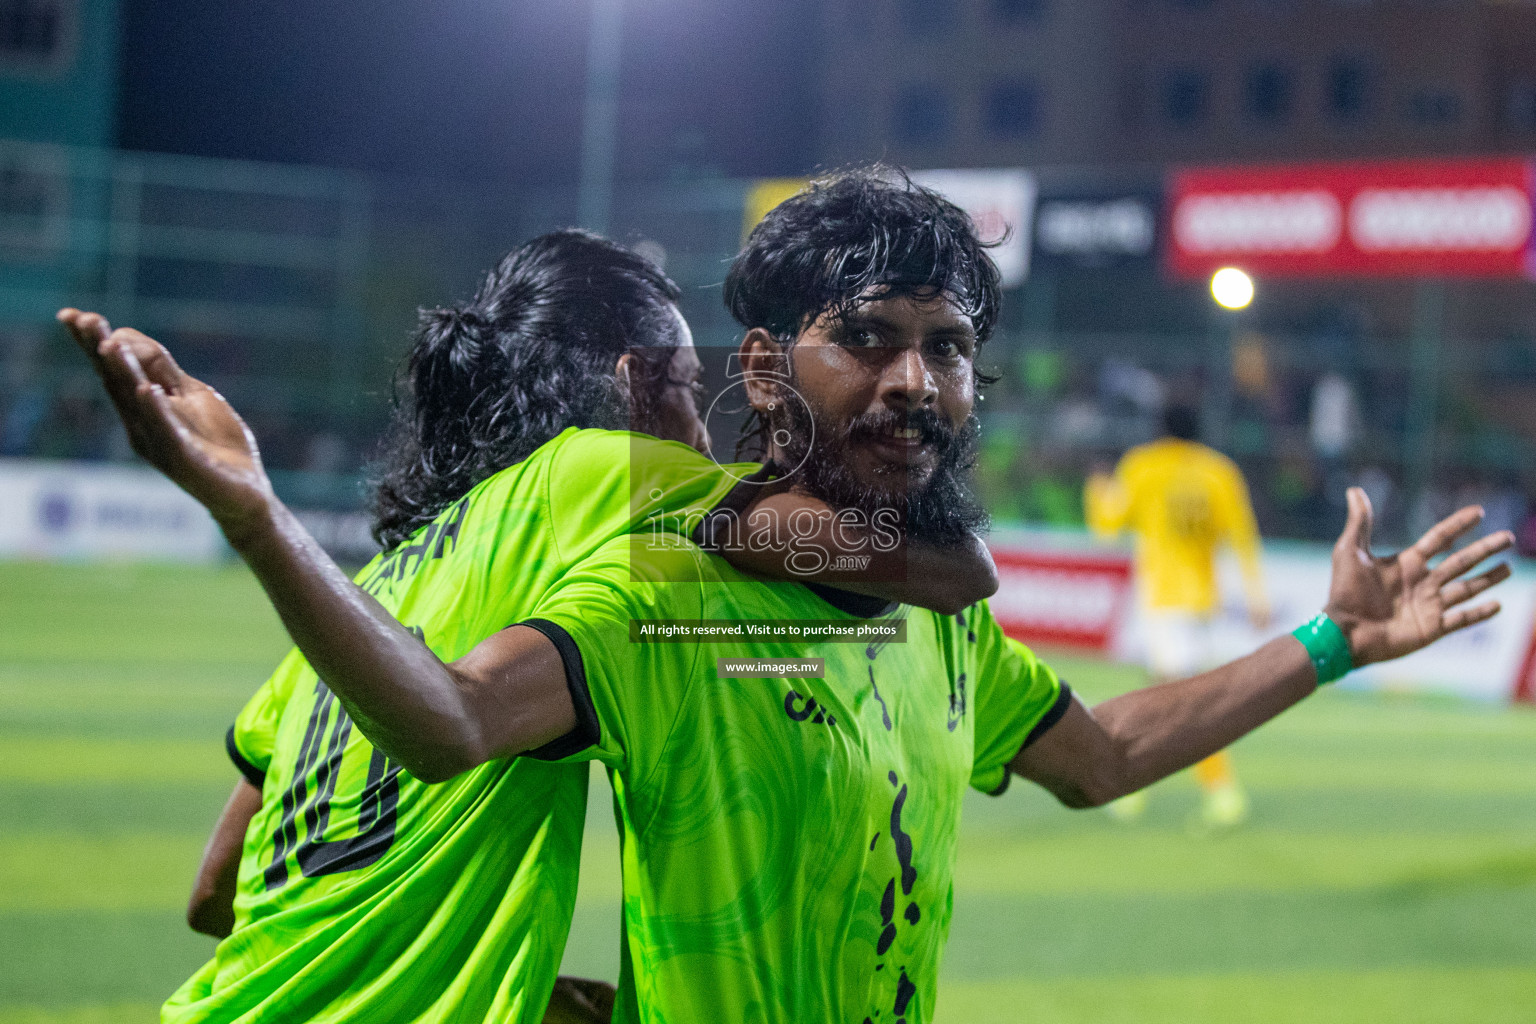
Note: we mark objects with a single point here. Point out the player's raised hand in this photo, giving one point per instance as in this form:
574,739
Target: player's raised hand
1393,605
178,424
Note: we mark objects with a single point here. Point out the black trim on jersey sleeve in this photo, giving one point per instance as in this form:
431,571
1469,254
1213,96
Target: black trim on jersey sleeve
255,776
1051,717
587,732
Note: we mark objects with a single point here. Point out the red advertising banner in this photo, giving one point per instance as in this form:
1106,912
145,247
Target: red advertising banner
1411,218
1061,598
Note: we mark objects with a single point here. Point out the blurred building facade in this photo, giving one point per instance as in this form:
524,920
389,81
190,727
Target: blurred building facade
58,88
58,71
979,83
1203,80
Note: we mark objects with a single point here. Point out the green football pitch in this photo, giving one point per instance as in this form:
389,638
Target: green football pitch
1389,872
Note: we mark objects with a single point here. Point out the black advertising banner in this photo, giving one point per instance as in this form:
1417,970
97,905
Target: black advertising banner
1098,228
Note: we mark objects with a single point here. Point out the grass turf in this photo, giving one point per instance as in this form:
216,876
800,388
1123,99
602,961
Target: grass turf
1389,872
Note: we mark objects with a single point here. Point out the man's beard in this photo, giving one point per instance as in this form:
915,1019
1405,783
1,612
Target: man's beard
940,510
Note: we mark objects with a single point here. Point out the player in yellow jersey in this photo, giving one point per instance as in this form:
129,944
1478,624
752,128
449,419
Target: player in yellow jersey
1182,501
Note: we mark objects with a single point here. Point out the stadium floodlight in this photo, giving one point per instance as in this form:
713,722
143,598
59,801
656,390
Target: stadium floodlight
1231,288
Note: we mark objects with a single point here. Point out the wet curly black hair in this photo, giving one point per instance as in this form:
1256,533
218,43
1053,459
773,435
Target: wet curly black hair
533,353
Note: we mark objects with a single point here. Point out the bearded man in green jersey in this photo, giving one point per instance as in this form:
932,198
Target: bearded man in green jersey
789,844
361,893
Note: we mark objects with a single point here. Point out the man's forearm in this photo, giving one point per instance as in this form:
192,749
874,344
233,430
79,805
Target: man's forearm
945,579
211,908
399,693
1089,758
425,714
789,535
1163,729
1378,609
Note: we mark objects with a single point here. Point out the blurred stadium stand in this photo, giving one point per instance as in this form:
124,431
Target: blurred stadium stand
293,291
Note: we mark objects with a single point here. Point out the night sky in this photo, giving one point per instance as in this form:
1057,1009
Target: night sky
486,90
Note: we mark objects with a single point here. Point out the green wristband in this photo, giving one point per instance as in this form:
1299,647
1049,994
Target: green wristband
1326,646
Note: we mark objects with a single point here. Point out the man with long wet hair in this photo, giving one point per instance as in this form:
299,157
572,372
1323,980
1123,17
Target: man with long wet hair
789,843
344,887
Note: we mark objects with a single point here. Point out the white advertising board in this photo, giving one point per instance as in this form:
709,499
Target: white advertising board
77,510
1001,204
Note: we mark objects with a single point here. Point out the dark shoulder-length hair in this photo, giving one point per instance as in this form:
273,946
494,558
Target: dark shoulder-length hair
534,352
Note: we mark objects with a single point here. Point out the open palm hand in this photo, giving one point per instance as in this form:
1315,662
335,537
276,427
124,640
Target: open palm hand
1393,605
175,422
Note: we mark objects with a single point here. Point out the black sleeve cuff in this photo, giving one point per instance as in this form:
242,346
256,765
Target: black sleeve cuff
1059,708
587,733
255,776
1063,701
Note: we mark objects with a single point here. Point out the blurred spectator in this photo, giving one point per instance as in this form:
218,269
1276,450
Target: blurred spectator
1250,366
1379,486
1335,419
25,399
1504,506
1253,397
1078,423
1123,385
325,453
1002,440
24,413
77,425
1044,371
1433,505
1054,492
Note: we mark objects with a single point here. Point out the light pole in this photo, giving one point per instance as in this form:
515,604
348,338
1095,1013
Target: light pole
600,116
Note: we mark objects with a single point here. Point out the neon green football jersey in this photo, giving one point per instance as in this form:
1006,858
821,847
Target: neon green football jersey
788,845
367,896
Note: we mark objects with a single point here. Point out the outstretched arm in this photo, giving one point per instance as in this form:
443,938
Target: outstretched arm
506,696
1385,607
